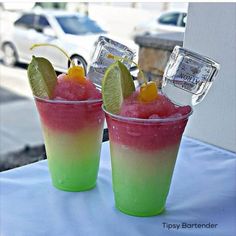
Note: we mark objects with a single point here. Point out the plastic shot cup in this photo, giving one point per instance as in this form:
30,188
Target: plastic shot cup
72,133
188,76
143,156
100,60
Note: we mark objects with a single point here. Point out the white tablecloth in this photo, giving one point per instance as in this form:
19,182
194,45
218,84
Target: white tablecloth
203,191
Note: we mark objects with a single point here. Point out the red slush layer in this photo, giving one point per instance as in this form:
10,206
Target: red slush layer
148,134
83,110
70,117
145,136
71,90
161,107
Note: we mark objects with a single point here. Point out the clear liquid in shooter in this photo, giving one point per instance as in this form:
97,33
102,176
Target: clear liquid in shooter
183,97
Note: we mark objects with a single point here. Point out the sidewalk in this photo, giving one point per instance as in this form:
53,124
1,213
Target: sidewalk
19,126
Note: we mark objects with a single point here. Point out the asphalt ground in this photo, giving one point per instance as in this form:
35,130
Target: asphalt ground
8,96
27,154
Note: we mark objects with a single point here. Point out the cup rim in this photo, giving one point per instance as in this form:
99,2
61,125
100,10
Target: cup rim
141,120
67,101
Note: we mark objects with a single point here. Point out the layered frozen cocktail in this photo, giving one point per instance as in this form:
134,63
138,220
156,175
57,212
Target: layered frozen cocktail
145,130
146,127
72,121
144,142
72,134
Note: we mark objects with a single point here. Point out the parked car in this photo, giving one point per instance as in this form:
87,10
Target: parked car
171,21
73,32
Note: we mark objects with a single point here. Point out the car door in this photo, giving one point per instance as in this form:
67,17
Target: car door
43,28
22,35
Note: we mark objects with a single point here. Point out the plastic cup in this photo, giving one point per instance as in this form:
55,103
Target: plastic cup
143,156
72,133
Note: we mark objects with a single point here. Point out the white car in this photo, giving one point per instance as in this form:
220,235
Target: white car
73,32
170,21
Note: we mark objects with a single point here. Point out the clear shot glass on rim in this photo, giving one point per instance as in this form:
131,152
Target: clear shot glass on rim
100,60
188,76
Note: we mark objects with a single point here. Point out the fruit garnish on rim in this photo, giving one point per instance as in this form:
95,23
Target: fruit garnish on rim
118,84
70,86
120,97
42,77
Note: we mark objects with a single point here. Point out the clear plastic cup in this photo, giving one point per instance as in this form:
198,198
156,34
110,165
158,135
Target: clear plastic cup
188,76
143,156
72,133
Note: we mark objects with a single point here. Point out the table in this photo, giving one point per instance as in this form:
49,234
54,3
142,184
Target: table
202,191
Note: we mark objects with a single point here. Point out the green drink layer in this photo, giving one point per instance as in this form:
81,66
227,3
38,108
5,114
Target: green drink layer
73,158
141,180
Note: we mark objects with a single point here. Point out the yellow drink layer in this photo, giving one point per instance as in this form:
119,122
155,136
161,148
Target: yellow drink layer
141,180
73,158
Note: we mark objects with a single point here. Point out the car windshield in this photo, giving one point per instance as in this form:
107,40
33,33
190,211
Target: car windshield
78,25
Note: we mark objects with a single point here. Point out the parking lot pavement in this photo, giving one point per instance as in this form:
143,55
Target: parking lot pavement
6,96
19,126
15,80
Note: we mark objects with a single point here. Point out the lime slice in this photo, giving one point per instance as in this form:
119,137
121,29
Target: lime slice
42,77
117,84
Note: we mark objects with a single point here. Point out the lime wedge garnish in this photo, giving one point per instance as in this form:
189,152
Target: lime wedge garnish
117,84
42,77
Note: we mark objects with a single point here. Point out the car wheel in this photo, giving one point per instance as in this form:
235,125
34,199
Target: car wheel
78,60
9,54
